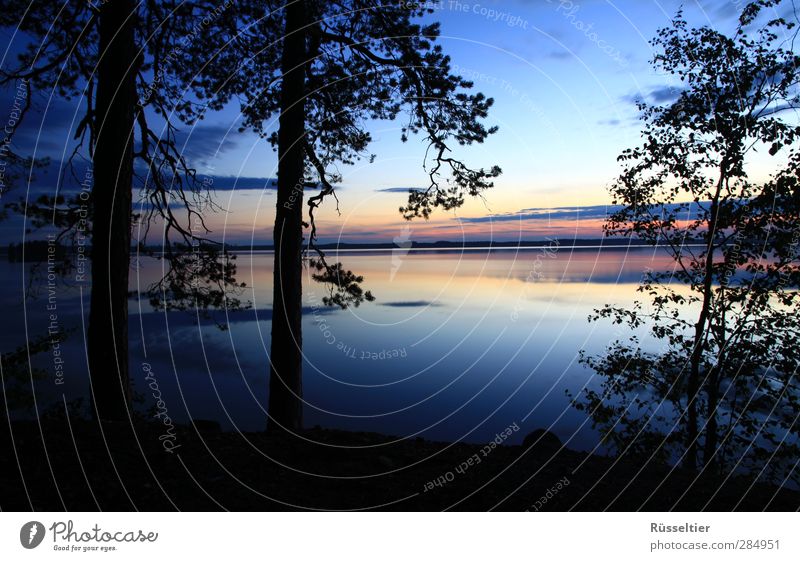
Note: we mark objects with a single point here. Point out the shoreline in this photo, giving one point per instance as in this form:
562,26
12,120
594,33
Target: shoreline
117,468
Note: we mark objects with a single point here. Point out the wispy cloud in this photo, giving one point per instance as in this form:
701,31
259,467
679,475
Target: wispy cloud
398,189
557,213
230,183
566,214
202,143
659,95
411,304
68,180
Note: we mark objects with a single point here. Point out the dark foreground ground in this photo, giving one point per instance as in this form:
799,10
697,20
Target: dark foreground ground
71,469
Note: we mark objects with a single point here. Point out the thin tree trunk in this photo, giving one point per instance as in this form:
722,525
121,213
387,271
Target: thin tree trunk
693,384
711,458
692,391
286,362
111,236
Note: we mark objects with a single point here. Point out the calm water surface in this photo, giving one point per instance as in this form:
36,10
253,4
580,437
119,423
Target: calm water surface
457,346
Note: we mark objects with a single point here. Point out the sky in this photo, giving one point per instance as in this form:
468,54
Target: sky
564,74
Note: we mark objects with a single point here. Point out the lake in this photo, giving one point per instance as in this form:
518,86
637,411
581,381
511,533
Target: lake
459,345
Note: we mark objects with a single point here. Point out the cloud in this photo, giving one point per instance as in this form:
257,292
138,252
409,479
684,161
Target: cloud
659,96
664,94
720,9
48,124
560,55
202,143
596,212
411,304
69,179
557,213
230,183
398,189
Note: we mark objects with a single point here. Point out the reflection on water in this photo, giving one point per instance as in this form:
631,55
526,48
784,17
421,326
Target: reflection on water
457,345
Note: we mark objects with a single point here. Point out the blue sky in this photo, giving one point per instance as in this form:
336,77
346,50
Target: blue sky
564,75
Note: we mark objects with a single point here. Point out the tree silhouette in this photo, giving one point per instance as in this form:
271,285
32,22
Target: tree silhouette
109,56
722,391
327,69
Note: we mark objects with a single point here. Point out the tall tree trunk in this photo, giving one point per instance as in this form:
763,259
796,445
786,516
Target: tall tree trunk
711,459
694,383
692,392
111,235
286,361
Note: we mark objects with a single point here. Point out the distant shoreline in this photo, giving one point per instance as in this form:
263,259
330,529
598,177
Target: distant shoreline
341,249
33,248
483,245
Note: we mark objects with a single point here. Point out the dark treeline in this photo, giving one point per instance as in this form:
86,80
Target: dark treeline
34,251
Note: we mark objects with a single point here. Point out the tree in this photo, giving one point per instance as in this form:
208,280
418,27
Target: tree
722,390
327,69
115,108
110,56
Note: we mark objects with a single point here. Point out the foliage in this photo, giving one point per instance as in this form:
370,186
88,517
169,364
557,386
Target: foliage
61,57
721,391
366,60
345,286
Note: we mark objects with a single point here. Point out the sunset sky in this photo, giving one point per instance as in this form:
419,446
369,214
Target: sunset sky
564,76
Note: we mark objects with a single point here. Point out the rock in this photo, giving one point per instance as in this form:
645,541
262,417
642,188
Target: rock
541,439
